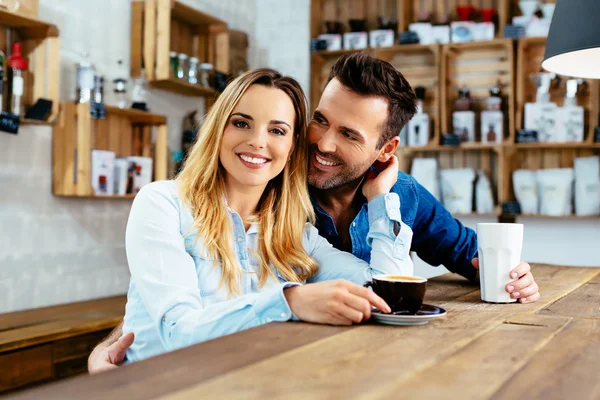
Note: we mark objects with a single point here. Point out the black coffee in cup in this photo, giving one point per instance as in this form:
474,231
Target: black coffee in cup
404,294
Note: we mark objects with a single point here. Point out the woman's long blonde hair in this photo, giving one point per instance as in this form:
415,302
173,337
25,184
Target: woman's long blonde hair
285,205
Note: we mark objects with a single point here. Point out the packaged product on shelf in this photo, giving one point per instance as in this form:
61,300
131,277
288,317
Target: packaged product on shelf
103,170
587,185
425,171
140,172
484,199
457,189
556,191
526,192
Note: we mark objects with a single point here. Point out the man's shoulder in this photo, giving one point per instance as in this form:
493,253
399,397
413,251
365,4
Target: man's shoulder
404,182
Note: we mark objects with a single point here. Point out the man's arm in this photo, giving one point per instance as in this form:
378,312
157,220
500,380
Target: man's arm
440,239
109,353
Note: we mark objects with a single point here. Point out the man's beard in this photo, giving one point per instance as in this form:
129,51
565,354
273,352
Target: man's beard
323,180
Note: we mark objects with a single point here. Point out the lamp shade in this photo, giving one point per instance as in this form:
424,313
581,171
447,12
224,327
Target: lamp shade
573,46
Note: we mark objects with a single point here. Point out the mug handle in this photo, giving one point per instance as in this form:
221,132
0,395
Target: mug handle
368,284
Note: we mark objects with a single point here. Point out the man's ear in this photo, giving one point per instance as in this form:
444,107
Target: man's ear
388,149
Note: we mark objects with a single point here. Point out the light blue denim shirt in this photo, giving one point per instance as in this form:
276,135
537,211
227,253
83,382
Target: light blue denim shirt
174,299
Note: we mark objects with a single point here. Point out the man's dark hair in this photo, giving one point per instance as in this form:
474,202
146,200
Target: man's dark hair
369,76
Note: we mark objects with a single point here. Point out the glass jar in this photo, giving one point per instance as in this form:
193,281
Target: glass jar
182,66
205,72
85,79
173,62
193,71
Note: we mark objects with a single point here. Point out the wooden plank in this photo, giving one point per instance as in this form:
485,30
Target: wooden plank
137,38
583,302
146,148
114,133
497,355
567,368
58,155
24,367
331,365
53,74
126,142
84,125
222,52
163,20
160,153
262,343
150,38
316,18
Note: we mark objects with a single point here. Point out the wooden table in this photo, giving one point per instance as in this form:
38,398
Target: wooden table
545,350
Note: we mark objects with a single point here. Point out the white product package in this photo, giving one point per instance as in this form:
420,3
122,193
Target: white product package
121,169
556,191
526,190
484,199
425,171
103,171
142,172
587,185
457,189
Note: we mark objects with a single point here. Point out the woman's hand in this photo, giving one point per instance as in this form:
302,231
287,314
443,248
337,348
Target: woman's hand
337,302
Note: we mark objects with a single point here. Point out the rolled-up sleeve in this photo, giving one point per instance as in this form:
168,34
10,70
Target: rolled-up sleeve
389,254
165,276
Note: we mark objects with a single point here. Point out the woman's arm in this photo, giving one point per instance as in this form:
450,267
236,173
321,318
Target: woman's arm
389,254
165,276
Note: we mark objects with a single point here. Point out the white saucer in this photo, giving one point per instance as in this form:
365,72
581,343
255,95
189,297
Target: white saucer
425,314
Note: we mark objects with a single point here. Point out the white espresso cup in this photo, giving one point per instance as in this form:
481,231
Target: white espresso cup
499,246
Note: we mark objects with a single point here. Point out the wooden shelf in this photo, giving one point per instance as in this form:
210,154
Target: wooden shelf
93,196
183,87
337,53
557,146
137,116
25,121
193,16
125,132
482,44
539,216
159,27
475,215
28,28
462,147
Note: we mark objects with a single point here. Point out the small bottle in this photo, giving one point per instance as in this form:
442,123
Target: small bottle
139,93
98,89
173,62
205,71
418,126
463,118
121,87
492,118
17,65
85,79
571,117
541,116
193,70
182,66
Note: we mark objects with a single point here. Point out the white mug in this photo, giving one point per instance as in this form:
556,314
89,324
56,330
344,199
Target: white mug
499,247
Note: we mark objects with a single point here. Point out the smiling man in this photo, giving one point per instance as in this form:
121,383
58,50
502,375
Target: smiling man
354,132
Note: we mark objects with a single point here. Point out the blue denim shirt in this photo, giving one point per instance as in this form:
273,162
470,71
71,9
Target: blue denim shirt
175,298
438,238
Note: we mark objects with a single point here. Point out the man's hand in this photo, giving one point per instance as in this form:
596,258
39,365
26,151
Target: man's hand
524,289
337,302
106,357
382,183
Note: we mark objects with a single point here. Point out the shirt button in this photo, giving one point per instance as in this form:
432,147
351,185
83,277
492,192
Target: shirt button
284,315
354,224
269,319
240,240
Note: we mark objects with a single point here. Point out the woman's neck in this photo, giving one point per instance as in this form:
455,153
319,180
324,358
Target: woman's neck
243,199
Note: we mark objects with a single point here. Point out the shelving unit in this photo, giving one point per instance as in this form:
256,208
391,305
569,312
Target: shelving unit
161,26
41,47
127,132
478,65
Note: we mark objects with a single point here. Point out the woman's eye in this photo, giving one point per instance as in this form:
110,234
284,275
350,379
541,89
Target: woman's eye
278,131
240,124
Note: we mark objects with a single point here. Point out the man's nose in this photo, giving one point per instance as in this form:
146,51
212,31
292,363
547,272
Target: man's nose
327,143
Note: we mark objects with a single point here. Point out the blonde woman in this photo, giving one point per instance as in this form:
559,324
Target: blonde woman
228,245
